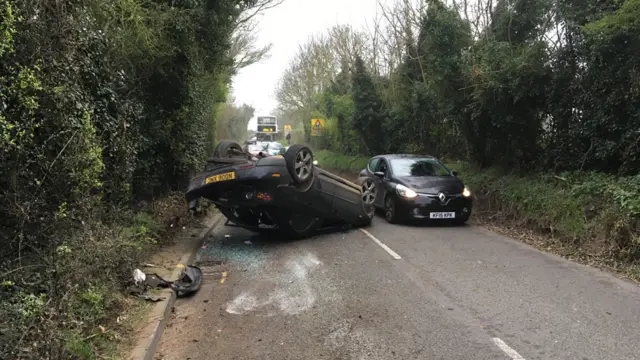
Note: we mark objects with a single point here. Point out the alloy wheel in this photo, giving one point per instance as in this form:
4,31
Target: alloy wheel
303,164
369,192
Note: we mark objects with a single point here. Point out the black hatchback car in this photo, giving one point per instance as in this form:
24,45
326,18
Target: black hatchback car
417,187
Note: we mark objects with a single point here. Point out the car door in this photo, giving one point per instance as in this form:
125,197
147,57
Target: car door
346,200
382,182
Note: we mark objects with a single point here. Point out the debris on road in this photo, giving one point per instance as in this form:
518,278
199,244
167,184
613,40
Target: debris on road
188,282
138,276
150,297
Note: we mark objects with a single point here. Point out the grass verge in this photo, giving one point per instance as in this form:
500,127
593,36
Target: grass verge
346,163
591,218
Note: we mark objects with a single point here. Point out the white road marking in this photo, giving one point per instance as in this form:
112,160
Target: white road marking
507,350
382,245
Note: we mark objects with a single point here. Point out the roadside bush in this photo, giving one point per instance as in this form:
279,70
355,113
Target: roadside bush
64,302
333,161
54,305
102,104
598,213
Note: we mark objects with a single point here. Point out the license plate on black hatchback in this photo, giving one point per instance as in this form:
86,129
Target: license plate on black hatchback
442,215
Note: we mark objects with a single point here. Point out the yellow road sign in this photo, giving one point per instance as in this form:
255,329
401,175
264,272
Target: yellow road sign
317,127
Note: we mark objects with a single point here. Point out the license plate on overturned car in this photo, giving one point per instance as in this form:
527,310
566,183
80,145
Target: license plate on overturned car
442,215
220,177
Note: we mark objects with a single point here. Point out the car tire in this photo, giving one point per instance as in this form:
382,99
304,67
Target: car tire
390,213
299,162
223,147
368,200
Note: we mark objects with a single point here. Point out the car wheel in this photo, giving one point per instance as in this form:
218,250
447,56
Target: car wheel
226,149
369,192
391,213
299,160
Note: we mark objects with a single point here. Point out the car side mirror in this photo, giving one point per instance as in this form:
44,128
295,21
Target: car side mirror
379,174
454,173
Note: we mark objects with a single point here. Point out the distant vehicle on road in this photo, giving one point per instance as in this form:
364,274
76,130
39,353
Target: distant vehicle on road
416,187
274,148
287,192
254,149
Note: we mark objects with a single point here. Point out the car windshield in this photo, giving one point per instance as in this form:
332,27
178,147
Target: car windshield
276,146
418,167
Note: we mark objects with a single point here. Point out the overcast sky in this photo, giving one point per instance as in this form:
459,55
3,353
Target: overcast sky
287,26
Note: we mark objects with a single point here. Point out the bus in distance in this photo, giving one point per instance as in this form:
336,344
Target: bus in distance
267,124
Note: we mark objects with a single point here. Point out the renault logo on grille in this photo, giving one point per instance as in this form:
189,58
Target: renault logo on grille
442,196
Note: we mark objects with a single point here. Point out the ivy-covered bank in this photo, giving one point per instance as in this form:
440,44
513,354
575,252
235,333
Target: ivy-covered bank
103,105
588,216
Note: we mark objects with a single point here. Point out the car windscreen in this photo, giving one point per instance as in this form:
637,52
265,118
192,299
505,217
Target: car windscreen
418,167
276,146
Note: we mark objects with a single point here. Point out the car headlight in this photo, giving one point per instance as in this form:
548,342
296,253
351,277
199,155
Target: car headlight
466,192
405,192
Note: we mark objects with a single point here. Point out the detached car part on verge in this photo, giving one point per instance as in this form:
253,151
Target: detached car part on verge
188,282
417,187
286,192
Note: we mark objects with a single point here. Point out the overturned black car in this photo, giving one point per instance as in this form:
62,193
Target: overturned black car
286,193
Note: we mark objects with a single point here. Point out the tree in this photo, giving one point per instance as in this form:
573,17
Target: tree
233,121
369,111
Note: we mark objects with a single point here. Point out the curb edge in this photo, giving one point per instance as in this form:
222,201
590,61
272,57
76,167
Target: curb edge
147,349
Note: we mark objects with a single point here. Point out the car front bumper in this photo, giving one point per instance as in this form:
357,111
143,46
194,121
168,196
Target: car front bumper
422,206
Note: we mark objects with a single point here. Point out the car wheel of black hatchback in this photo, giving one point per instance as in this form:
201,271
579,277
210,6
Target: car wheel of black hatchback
369,192
299,160
226,149
391,213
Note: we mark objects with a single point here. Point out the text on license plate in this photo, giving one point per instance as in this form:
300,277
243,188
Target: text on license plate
220,177
442,215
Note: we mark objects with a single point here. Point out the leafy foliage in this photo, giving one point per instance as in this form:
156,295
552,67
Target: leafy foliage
102,104
533,85
233,121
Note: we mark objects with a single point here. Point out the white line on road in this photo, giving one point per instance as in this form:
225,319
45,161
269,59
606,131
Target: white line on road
507,350
382,245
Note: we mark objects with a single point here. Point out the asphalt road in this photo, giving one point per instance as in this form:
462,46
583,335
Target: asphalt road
433,293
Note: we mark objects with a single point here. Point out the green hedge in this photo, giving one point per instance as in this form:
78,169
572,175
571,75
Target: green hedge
593,213
330,160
